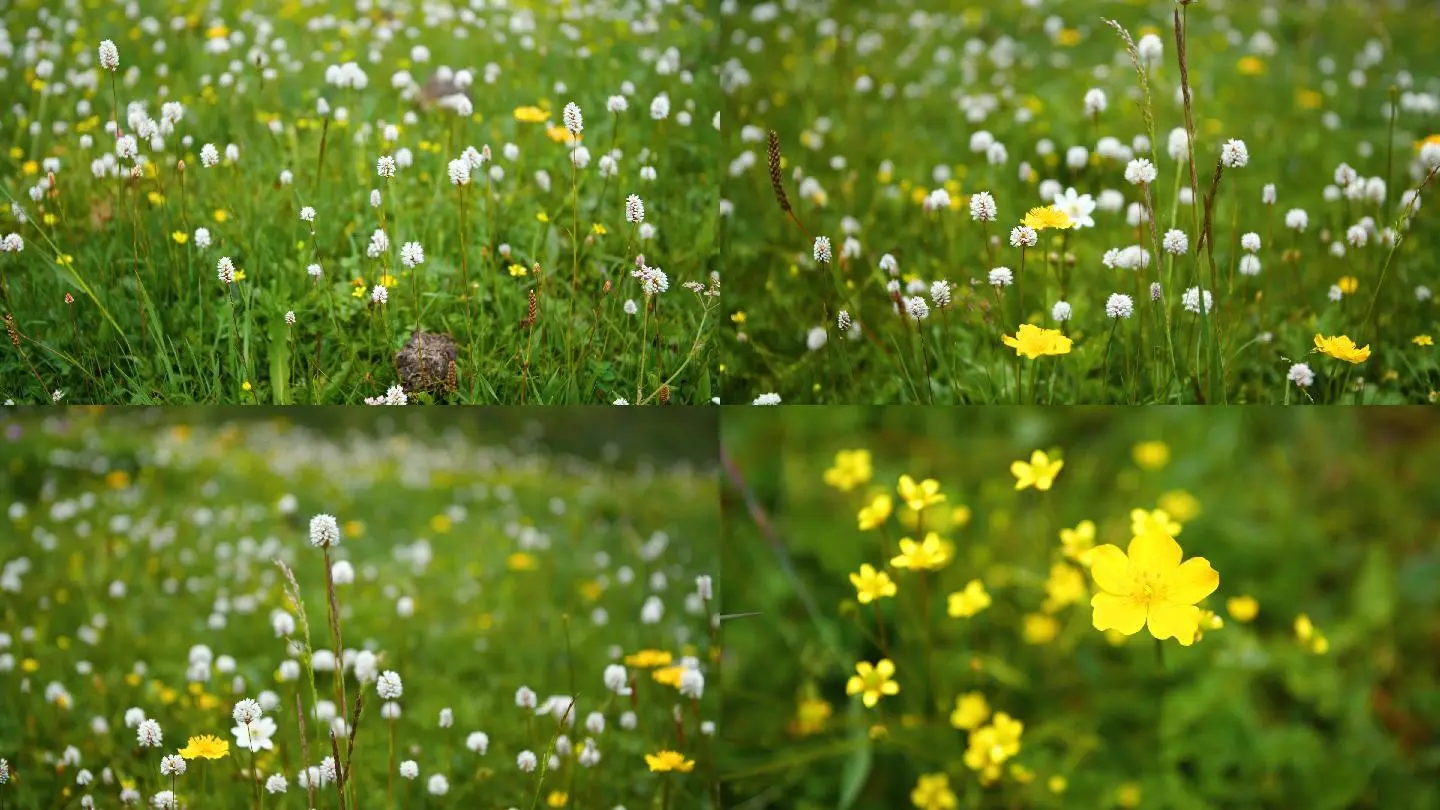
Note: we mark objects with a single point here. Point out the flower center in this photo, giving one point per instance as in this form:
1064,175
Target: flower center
1149,588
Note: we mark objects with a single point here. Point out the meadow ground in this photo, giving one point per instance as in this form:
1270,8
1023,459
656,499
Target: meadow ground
235,206
922,150
1299,667
521,621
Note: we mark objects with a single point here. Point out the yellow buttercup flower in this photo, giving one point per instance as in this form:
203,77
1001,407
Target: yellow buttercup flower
666,761
1158,522
1309,636
1079,543
1039,473
871,584
669,676
1242,609
968,602
852,468
1348,284
989,746
531,115
1423,340
1151,455
557,798
1148,585
1047,217
928,555
205,746
1180,505
875,513
873,681
811,715
1032,341
1039,628
644,659
1341,347
1065,586
933,792
971,710
918,496
180,237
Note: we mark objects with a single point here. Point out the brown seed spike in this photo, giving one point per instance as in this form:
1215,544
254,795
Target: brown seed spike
777,183
664,394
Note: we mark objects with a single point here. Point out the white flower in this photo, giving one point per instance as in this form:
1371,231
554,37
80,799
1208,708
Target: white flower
1061,311
525,698
1422,293
1297,219
276,783
209,155
939,293
172,765
1023,236
822,249
1178,144
617,679
1249,265
1335,293
1233,154
447,717
766,399
617,104
385,166
324,531
246,711
1119,305
379,294
478,741
1001,277
438,785
1175,242
692,684
256,736
982,207
1345,175
1191,300
290,317
526,761
1077,206
202,238
574,121
1267,194
1301,375
1151,48
389,686
916,308
1095,101
148,734
1250,242
1357,236
109,55
815,338
459,170
409,769
225,270
411,254
1140,171
634,209
660,107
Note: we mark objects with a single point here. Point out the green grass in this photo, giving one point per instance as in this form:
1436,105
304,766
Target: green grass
132,537
152,323
856,155
1330,516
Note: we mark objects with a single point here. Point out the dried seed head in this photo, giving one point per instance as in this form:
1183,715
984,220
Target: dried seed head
451,383
777,183
11,330
664,394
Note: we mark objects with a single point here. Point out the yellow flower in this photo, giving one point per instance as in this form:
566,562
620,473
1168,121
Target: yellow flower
1039,473
542,217
871,584
918,496
967,603
852,468
1079,543
929,555
1047,217
1150,585
598,229
669,676
1349,284
388,280
1065,586
1033,341
811,714
1039,628
1250,66
1422,340
933,792
245,385
738,316
180,237
645,659
971,710
521,561
1242,608
1151,455
989,746
1128,796
1180,505
666,761
518,271
1309,636
221,215
873,681
1342,347
876,513
557,798
205,746
1156,522
531,115
1057,784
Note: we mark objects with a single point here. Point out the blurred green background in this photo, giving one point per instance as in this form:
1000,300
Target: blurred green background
1333,513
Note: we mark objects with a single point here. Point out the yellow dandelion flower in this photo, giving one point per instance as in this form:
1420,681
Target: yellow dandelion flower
206,747
1047,217
1341,347
666,761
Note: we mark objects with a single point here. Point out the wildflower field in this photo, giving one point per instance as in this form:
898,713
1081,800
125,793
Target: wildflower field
520,623
1036,608
1032,202
327,202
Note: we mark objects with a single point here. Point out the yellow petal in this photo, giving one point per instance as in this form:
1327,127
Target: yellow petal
886,668
1169,620
1192,581
1155,552
1117,613
1111,570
